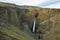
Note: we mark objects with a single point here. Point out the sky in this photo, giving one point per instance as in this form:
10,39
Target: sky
40,3
25,2
51,4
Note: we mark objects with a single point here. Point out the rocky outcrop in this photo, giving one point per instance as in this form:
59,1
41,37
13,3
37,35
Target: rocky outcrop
16,23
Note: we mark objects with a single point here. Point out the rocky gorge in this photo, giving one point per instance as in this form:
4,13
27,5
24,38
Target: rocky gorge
16,22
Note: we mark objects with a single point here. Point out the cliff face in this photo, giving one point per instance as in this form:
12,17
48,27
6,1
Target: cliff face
16,23
13,23
49,24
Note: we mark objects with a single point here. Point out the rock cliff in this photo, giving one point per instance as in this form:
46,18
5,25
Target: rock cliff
16,22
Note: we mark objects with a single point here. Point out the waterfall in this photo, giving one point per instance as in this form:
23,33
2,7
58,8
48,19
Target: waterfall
34,25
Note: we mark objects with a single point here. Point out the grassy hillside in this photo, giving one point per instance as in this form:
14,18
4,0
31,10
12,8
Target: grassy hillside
14,32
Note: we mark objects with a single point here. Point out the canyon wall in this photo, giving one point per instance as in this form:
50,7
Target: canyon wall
16,23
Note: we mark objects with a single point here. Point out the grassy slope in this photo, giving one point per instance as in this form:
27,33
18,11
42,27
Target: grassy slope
15,32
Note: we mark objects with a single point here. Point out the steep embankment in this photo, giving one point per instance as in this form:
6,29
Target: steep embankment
13,25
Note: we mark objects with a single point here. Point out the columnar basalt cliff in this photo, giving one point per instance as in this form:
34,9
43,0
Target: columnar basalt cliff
16,22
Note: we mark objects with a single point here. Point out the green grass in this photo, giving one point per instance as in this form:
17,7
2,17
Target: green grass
15,32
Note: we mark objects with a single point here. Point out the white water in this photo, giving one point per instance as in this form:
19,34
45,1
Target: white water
34,25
